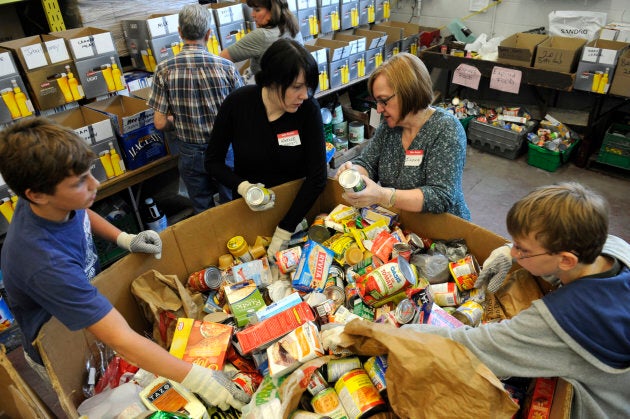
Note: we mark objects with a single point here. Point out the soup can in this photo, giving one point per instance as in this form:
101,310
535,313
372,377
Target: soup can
351,180
205,280
327,403
257,195
358,394
318,231
355,132
465,272
337,367
376,367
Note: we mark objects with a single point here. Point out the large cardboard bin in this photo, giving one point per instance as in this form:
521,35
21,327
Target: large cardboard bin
197,242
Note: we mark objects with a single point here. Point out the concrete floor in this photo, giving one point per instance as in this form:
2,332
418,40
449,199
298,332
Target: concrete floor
491,185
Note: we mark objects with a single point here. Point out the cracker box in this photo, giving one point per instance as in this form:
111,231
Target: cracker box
201,342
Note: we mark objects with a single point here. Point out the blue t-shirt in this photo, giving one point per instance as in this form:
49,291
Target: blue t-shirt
47,269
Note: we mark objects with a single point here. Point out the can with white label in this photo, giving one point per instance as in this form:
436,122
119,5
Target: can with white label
351,180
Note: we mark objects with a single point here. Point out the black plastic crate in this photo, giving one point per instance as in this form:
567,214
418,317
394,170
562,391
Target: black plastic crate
496,140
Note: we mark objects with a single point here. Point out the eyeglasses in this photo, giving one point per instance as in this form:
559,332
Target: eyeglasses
520,256
384,101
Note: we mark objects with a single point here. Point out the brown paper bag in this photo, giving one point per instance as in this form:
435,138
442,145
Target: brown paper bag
429,376
518,292
163,298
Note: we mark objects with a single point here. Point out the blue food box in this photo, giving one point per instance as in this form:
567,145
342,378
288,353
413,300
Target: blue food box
142,146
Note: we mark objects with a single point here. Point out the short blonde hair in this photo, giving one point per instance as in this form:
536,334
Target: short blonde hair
409,78
564,217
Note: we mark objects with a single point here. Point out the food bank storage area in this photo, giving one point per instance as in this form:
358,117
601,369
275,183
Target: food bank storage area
502,164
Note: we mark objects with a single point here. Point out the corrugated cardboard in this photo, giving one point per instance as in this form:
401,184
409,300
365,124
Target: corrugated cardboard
9,72
598,55
157,32
621,81
520,48
374,39
559,53
185,250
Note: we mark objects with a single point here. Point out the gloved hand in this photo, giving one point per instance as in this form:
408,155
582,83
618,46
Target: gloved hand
245,186
147,241
347,165
372,194
495,269
215,388
279,241
332,336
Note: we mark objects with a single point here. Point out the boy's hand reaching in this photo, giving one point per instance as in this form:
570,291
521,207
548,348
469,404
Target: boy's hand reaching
147,241
495,269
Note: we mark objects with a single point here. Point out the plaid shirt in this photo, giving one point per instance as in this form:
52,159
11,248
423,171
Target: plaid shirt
191,87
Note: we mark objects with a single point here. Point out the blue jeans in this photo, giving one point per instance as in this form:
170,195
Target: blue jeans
200,186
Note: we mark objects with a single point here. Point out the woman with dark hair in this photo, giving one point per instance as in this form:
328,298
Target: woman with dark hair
275,128
273,21
415,161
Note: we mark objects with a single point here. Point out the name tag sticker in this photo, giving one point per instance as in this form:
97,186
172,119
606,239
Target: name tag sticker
414,157
289,139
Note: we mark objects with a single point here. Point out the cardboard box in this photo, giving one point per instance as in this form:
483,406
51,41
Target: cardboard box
186,251
621,81
42,64
357,43
373,58
616,31
201,342
321,57
154,36
96,130
9,73
92,50
559,53
409,37
328,16
598,57
227,12
373,39
307,21
349,13
367,12
139,141
520,48
394,35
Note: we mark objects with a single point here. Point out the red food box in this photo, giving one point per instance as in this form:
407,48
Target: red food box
539,403
266,332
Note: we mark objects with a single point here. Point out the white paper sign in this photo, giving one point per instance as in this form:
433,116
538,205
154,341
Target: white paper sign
608,56
103,43
590,54
6,64
157,27
57,50
82,47
34,56
172,22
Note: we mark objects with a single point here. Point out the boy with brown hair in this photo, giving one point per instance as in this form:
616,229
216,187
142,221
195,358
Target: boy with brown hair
48,256
579,331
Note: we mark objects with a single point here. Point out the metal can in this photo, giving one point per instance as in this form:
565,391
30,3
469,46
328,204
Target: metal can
318,231
317,383
376,367
336,294
351,180
401,249
385,281
469,312
257,195
335,368
208,279
288,259
358,394
239,248
405,311
445,294
327,402
323,311
465,272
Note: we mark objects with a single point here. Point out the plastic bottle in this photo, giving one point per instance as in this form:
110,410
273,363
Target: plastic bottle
117,163
155,219
9,99
73,83
62,81
106,161
386,9
603,83
117,75
106,69
152,62
21,100
597,77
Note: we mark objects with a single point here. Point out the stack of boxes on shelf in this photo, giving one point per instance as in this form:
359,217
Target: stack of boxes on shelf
151,40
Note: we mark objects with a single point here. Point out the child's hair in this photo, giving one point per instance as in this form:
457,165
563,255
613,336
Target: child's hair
37,154
564,217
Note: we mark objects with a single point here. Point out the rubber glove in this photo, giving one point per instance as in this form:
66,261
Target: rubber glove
245,186
147,241
215,388
279,241
372,194
495,269
332,336
347,165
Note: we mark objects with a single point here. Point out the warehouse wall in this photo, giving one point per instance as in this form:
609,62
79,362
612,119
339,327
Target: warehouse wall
508,17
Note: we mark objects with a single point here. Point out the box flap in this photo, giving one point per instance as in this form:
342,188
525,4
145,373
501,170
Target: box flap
374,39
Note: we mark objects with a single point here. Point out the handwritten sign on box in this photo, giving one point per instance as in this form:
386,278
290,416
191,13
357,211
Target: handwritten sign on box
506,79
467,76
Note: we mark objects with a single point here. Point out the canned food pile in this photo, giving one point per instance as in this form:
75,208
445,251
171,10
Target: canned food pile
553,135
509,118
349,263
461,108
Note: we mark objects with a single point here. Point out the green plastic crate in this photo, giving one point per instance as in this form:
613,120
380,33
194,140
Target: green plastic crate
615,150
546,159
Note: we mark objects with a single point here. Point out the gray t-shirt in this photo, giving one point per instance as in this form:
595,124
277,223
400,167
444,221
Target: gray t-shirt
254,44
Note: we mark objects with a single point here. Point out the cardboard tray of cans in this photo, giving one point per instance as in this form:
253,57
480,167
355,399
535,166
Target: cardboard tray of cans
498,140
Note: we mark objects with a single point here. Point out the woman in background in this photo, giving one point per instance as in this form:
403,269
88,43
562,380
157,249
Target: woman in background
273,21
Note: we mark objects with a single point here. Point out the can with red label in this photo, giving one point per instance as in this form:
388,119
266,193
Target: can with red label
288,259
385,281
208,279
465,272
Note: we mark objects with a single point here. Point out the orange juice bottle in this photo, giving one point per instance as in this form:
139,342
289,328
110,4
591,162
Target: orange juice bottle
21,100
9,99
62,82
370,13
6,208
106,69
117,75
75,89
117,163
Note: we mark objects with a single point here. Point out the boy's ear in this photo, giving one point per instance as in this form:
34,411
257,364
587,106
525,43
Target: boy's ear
568,260
38,198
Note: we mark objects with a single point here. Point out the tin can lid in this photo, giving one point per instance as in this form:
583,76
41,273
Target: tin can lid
405,311
212,277
407,270
353,255
349,178
237,245
335,293
255,195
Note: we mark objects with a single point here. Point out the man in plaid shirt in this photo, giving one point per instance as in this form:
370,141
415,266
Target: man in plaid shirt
186,94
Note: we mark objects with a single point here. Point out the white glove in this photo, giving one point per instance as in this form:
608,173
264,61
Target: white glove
331,336
245,186
495,269
215,388
372,194
279,241
345,166
147,241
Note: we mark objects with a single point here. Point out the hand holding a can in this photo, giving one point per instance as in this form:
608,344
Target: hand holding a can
257,197
495,269
372,193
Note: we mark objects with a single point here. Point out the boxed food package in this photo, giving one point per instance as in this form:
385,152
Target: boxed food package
596,68
185,250
151,39
201,342
9,78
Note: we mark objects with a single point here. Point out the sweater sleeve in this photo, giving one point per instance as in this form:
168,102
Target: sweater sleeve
316,169
251,45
